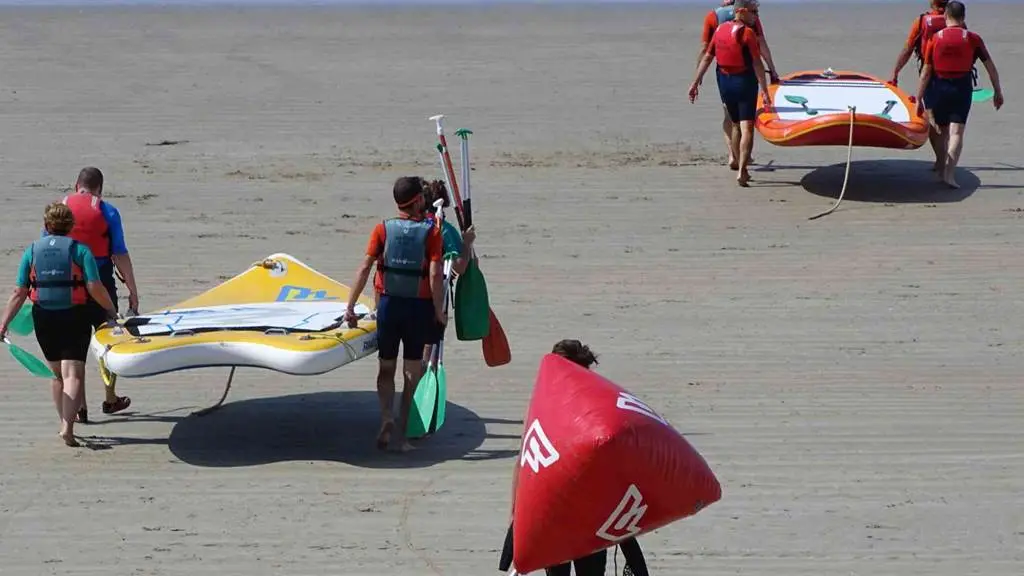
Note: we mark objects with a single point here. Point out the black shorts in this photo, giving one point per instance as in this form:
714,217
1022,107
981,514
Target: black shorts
436,332
950,99
63,334
739,94
97,314
409,321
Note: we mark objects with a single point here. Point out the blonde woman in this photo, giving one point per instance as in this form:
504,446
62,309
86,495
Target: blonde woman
58,274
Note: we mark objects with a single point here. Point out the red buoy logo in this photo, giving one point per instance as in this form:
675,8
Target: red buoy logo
625,520
538,452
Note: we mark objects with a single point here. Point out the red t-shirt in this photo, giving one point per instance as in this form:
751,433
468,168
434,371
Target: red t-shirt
375,248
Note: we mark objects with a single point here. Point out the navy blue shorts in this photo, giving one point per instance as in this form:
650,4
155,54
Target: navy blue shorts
739,94
98,314
409,321
949,100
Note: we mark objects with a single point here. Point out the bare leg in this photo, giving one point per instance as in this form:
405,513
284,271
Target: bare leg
72,372
386,396
746,146
727,130
935,138
412,372
57,391
953,149
428,351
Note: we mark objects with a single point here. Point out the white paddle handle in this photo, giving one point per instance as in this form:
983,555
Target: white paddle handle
438,118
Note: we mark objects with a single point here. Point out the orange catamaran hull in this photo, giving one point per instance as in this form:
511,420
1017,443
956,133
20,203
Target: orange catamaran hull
811,108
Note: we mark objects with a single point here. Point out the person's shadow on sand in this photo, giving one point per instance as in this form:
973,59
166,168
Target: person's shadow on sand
889,181
326,426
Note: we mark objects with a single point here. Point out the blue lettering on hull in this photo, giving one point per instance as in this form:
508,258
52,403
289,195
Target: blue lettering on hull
291,293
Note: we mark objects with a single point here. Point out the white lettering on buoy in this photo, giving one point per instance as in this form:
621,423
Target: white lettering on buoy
625,520
538,452
627,401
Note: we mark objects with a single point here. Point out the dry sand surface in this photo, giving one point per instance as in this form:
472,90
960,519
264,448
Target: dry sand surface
853,381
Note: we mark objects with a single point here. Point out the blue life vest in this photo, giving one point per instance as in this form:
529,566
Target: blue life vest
405,255
725,14
56,282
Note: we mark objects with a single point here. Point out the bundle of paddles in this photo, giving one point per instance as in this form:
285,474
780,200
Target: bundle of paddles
598,467
474,319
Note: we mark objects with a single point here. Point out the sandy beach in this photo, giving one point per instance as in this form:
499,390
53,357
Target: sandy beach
853,381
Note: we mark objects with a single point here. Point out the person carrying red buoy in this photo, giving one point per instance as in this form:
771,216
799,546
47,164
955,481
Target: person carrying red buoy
591,564
947,84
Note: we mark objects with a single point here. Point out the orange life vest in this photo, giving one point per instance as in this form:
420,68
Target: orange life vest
730,52
91,226
953,53
931,24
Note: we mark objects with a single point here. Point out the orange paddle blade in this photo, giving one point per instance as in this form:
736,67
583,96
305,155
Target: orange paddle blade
495,344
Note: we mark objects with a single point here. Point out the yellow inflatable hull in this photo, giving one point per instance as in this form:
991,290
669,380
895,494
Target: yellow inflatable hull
279,315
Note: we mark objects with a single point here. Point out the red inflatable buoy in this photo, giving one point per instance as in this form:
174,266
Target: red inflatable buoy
598,465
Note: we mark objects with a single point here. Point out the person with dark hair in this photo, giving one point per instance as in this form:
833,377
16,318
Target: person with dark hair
59,274
735,49
98,226
947,82
591,564
458,249
925,26
407,252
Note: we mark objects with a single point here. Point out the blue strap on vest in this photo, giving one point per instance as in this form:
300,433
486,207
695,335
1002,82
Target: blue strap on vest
405,253
725,14
53,264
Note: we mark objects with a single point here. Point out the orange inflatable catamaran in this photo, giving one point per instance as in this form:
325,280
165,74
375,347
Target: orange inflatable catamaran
817,108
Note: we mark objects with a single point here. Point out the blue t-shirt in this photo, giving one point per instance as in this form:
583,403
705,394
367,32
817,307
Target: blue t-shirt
117,244
80,255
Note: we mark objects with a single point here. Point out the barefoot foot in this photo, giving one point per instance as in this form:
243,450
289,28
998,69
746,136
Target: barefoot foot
743,178
69,439
384,436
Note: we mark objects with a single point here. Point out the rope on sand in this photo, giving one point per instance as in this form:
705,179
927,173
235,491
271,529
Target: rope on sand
846,176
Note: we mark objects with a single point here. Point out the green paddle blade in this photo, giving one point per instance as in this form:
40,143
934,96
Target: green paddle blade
442,399
34,365
423,401
472,308
22,323
982,94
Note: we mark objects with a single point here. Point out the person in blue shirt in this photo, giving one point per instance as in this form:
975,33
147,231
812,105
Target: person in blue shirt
98,226
59,275
457,248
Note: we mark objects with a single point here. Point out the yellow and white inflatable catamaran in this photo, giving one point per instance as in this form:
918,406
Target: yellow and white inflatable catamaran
279,315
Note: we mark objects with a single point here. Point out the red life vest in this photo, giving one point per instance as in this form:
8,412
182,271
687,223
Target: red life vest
91,226
729,50
931,23
953,52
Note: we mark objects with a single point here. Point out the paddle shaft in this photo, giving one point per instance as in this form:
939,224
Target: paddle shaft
449,171
467,208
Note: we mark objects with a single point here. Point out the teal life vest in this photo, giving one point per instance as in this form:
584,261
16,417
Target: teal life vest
56,282
403,263
725,14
